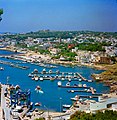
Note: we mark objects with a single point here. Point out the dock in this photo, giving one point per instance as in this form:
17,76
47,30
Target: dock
87,87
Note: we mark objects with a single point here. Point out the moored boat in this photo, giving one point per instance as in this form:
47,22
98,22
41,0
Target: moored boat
66,106
68,84
59,83
38,104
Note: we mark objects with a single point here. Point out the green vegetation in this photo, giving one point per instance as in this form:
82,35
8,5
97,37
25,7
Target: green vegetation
91,46
1,11
107,115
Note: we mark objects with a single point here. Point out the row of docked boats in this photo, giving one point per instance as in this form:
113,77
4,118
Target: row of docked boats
50,75
74,86
14,65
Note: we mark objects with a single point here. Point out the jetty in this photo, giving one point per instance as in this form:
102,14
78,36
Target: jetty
13,65
74,86
81,77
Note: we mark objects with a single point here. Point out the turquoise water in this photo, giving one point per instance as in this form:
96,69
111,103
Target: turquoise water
52,93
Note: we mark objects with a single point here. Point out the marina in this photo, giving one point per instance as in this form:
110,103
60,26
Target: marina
49,87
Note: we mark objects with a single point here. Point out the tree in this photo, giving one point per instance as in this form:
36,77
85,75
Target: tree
107,115
1,12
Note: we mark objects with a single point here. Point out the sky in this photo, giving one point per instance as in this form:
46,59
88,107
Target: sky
34,15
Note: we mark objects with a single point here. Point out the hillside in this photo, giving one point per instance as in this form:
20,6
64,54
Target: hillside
109,77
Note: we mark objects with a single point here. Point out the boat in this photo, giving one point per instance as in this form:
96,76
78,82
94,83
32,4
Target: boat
62,78
38,104
57,72
90,80
64,110
76,98
17,87
79,85
66,106
68,84
36,78
84,85
41,78
29,75
50,71
80,80
35,71
59,83
69,80
44,71
1,68
39,90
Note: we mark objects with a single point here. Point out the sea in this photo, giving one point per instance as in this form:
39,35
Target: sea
53,97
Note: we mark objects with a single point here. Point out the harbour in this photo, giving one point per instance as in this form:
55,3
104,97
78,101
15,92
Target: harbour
48,86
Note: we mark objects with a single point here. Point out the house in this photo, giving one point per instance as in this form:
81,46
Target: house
54,51
105,104
104,60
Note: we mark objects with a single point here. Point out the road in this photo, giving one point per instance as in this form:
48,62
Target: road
4,106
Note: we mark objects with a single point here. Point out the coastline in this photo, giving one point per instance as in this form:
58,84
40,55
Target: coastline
31,56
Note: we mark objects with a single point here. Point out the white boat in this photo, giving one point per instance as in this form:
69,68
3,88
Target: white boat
80,80
35,71
38,104
1,68
44,71
68,84
90,80
29,75
79,85
76,98
69,80
41,78
50,71
38,90
36,78
59,83
62,78
84,85
72,91
66,106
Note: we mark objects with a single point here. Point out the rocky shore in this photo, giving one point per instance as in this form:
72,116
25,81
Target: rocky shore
109,77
